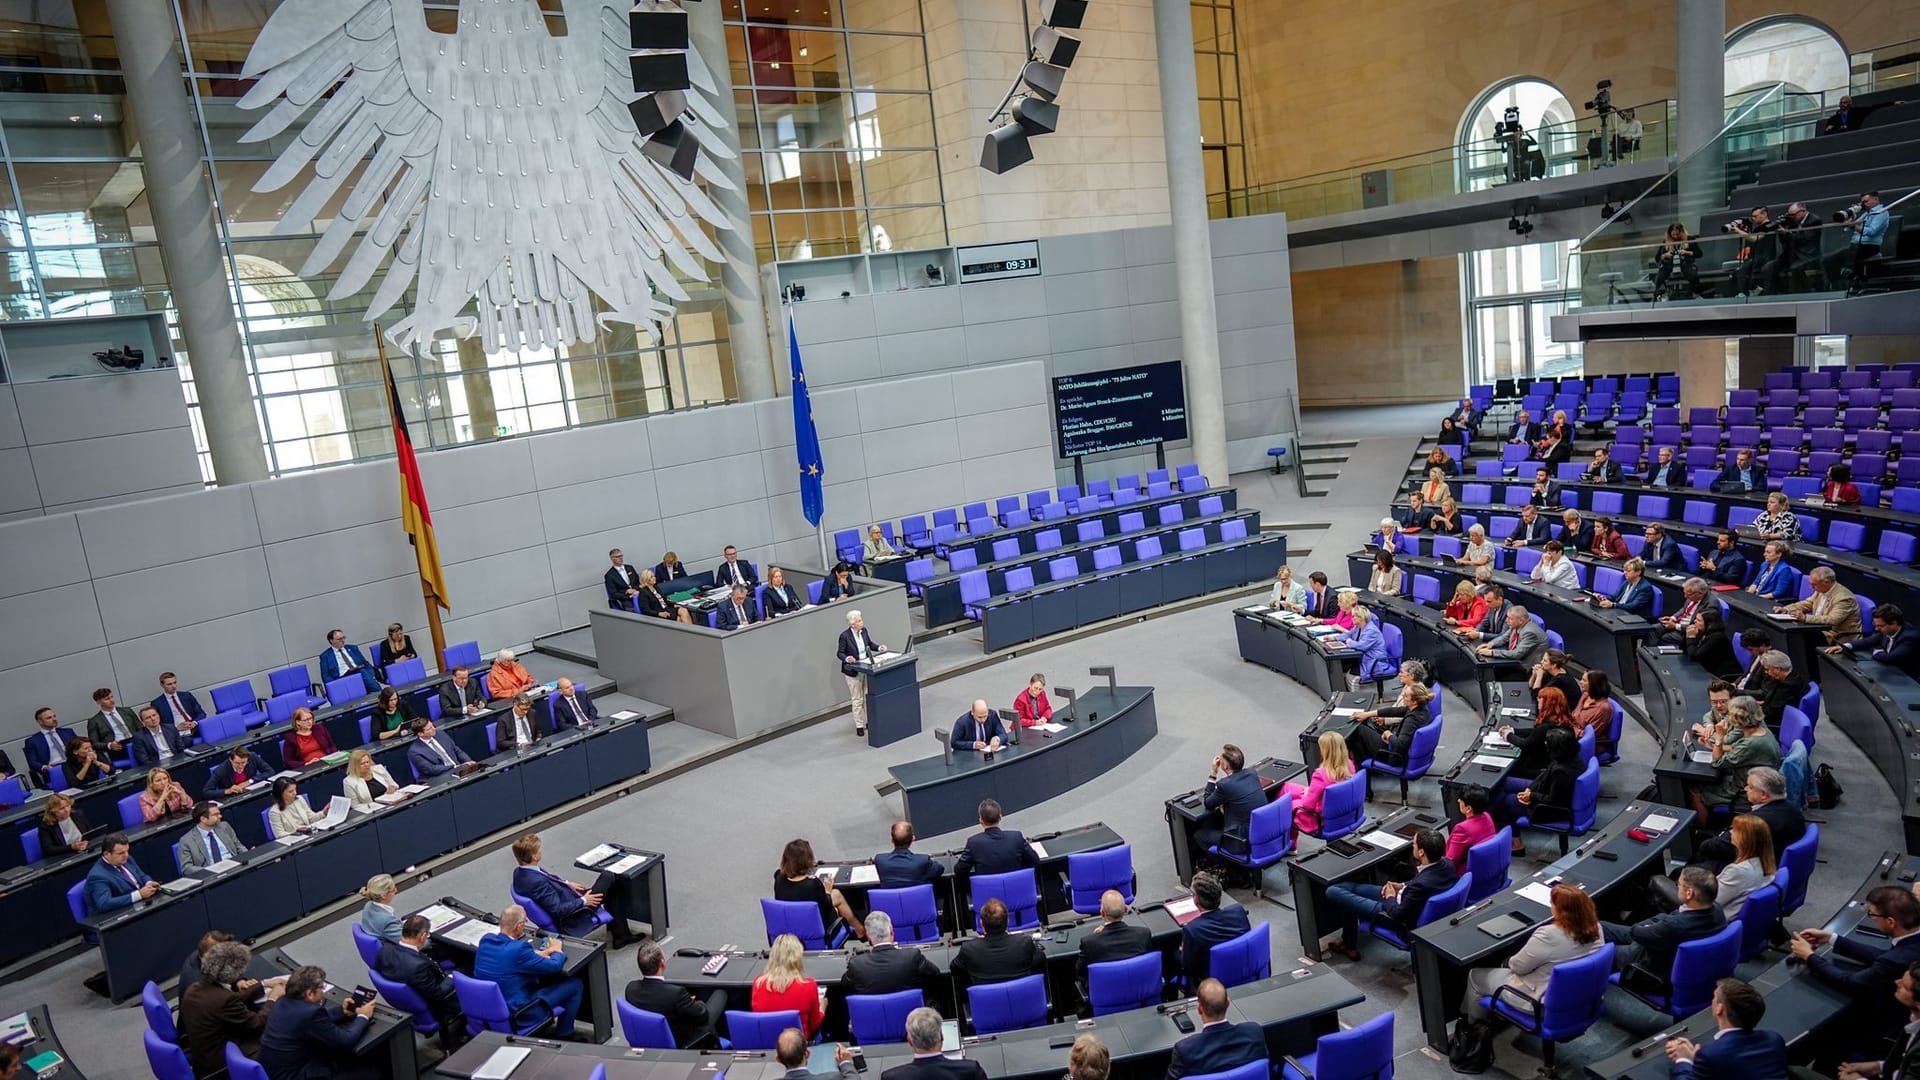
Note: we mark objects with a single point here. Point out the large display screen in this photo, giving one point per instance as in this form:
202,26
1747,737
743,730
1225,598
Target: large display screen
1112,410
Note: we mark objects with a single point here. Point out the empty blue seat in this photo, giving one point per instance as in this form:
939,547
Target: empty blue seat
1017,889
915,916
1106,558
1132,522
1047,540
801,918
1235,529
1211,506
1090,873
1171,514
1120,985
1192,539
1005,1006
882,1018
1004,549
1063,568
1089,531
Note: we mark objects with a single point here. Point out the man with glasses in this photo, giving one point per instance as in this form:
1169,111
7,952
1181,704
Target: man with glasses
1891,910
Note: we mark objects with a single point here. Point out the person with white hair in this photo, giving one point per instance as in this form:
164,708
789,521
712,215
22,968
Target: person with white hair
508,678
1479,550
1832,605
1389,536
527,972
888,969
857,649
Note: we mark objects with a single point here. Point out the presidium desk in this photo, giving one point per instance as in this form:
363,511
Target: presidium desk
739,683
942,795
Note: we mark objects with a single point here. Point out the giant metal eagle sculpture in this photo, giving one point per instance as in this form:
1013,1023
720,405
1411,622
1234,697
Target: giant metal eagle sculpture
505,167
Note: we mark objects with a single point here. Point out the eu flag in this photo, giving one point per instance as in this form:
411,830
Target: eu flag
806,441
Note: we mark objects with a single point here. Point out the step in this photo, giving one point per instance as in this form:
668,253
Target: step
1348,445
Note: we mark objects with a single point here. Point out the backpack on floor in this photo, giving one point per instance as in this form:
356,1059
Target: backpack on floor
1828,786
1471,1048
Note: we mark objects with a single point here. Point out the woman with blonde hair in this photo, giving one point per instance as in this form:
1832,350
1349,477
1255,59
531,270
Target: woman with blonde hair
1335,765
377,916
784,985
1467,607
366,781
1436,488
63,827
1287,592
163,795
1346,600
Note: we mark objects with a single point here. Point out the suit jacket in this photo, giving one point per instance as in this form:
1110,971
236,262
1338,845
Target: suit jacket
848,652
513,963
665,575
728,619
1729,567
506,728
1636,597
1114,941
686,1016
108,889
330,667
427,763
1675,474
212,1016
1871,982
1607,472
187,702
1320,604
146,751
323,745
1218,1048
995,851
1581,540
1558,454
1528,432
1661,935
1669,557
998,958
1905,1056
1776,694
967,731
655,604
564,906
1531,646
1713,652
1737,1053
781,601
1433,879
381,921
1198,937
1840,613
1902,650
304,1041
101,734
562,709
451,704
937,1067
743,573
618,580
221,776
40,755
1539,533
52,844
193,847
1492,622
414,971
1757,474
360,794
1236,795
902,868
889,969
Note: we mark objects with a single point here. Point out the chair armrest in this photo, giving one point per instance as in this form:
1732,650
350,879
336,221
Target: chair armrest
528,1012
1297,1067
1235,843
1532,1005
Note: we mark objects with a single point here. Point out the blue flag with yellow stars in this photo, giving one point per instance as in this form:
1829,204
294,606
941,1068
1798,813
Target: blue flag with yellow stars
806,441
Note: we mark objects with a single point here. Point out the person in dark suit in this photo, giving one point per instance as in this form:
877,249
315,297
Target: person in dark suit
1399,903
570,706
734,570
111,727
669,569
116,881
153,738
210,841
520,725
1533,530
1725,564
856,647
904,866
570,905
1664,471
47,746
1523,429
1576,533
1115,938
1706,642
1494,622
1604,469
1212,926
1767,798
997,956
1554,450
195,962
1892,641
738,611
1231,798
623,582
1320,599
178,707
342,658
1662,552
1636,593
654,602
1904,1057
978,728
994,850
462,695
432,754
232,776
1780,686
1736,1049
778,597
1648,945
924,1036
218,1007
1218,1046
693,1019
1744,476
307,1039
1869,979
62,828
407,964
889,968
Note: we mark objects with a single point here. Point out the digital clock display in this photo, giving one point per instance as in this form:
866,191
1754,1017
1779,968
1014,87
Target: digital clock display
1001,266
997,262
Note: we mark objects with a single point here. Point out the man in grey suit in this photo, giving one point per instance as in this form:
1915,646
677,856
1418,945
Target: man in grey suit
209,841
1523,643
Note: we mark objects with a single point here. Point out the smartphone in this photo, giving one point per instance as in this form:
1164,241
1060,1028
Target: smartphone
1184,1022
859,1059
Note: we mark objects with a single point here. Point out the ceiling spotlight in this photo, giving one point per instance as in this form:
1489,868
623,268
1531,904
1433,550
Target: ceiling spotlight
1053,47
1043,79
1005,148
1513,224
1065,14
1036,117
674,147
655,111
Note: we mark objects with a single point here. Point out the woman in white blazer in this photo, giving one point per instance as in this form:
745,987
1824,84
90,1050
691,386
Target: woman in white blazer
366,781
1573,933
1753,864
289,813
377,916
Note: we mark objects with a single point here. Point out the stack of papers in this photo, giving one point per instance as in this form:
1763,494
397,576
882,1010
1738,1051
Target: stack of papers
439,916
337,808
223,866
625,863
864,874
501,1063
1384,840
1050,727
1705,757
1343,712
1539,892
1659,823
1492,761
1494,738
1039,848
624,714
469,934
598,855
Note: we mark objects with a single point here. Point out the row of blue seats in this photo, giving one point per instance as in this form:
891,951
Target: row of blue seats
1806,378
976,586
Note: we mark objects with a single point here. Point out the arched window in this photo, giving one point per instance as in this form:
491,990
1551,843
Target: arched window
1790,49
1546,115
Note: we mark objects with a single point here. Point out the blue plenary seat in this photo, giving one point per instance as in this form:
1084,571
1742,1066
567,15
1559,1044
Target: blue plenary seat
882,1018
1687,987
1574,1000
486,1009
1018,889
1364,1052
1243,959
644,1029
1443,904
801,918
1005,1006
1269,839
759,1030
915,916
1091,873
1119,985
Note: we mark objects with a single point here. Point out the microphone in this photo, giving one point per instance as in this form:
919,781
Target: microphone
1457,919
1657,1040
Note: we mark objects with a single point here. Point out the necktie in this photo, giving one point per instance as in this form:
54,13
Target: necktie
441,750
340,659
214,850
738,614
1513,640
128,874
179,710
525,733
113,721
53,746
578,716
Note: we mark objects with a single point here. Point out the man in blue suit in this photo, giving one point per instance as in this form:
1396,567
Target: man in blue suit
994,850
432,754
179,708
47,746
1736,1049
1892,641
526,973
737,611
343,658
232,776
1218,1046
1661,552
1211,927
1397,902
155,743
407,964
308,1039
979,728
571,706
116,881
1232,798
1869,979
1744,476
1725,564
904,866
1636,594
571,906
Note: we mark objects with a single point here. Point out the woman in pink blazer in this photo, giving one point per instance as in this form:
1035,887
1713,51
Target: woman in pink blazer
1335,766
1343,619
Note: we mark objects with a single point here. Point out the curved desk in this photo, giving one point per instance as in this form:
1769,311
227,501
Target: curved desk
41,1040
1878,706
1425,636
1280,640
941,797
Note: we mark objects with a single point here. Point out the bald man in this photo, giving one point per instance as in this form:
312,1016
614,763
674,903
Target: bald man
978,729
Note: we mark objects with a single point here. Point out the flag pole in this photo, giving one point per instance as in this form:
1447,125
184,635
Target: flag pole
427,597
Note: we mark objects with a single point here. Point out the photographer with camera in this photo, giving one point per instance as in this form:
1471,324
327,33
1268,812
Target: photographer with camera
1678,255
1799,243
1603,147
1867,221
1758,253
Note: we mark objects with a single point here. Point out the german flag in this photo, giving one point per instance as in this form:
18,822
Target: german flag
414,517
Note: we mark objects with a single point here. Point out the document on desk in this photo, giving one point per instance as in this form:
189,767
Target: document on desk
1783,616
1039,848
1704,757
1491,761
439,916
1050,728
223,866
16,1030
1384,840
469,934
1343,713
1539,892
337,808
501,1063
624,714
1512,710
864,874
598,854
1494,738
1659,823
179,885
626,863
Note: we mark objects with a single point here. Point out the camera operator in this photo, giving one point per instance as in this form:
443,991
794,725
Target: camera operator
1678,255
1759,251
1799,243
1867,221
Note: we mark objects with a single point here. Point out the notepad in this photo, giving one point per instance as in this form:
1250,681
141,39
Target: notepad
179,885
1039,848
1494,738
469,934
501,1063
1385,841
624,714
1511,710
1050,728
1491,761
598,854
1783,616
1343,712
1184,910
1539,892
625,863
864,874
1659,823
223,866
1705,757
439,916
